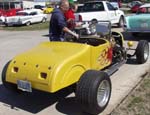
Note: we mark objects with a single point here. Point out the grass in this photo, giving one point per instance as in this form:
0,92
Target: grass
138,102
38,26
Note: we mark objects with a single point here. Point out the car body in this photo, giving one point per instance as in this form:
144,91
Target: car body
131,4
26,17
100,11
140,22
48,10
86,62
135,8
2,19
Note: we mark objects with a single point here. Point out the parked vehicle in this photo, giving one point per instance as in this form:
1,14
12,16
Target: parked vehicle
26,17
9,8
100,10
52,66
135,8
133,3
140,22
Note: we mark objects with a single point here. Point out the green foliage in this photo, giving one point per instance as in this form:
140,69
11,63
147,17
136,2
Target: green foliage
138,102
135,101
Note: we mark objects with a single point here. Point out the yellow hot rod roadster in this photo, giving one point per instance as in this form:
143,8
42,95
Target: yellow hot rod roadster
87,62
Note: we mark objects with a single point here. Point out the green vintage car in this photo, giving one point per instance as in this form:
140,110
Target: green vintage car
140,22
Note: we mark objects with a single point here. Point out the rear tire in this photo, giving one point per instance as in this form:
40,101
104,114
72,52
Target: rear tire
28,23
142,51
43,20
6,84
93,91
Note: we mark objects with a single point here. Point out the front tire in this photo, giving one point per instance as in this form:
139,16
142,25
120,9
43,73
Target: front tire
93,91
142,51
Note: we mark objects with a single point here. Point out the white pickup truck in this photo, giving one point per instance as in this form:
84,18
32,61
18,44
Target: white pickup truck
100,11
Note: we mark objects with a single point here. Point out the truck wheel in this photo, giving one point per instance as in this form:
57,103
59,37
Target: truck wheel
93,91
142,51
121,22
6,84
92,26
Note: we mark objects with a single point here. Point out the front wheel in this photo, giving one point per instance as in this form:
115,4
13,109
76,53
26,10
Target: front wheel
93,91
142,51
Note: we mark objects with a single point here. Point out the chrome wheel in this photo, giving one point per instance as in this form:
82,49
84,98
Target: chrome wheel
146,52
103,93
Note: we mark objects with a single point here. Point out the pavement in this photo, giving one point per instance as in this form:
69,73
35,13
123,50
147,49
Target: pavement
63,102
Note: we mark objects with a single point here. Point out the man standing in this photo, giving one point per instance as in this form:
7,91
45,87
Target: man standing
58,25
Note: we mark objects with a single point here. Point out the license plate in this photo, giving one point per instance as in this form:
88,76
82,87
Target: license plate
24,85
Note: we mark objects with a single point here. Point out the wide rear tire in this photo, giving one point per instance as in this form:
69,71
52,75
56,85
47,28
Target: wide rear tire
142,51
93,91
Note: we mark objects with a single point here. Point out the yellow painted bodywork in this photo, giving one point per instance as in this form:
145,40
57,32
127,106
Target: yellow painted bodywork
51,66
48,10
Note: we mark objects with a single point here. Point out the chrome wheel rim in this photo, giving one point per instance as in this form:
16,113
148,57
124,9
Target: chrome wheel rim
146,52
93,28
121,22
103,93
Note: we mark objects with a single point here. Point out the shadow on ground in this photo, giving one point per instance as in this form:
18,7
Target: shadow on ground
37,101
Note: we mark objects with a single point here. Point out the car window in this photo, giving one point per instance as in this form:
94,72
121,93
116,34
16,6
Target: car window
110,7
80,8
21,14
96,6
33,13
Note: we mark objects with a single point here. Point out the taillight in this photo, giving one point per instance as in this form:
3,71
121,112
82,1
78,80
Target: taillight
80,18
110,53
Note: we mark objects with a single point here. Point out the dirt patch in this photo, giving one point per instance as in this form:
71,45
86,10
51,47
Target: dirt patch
138,102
